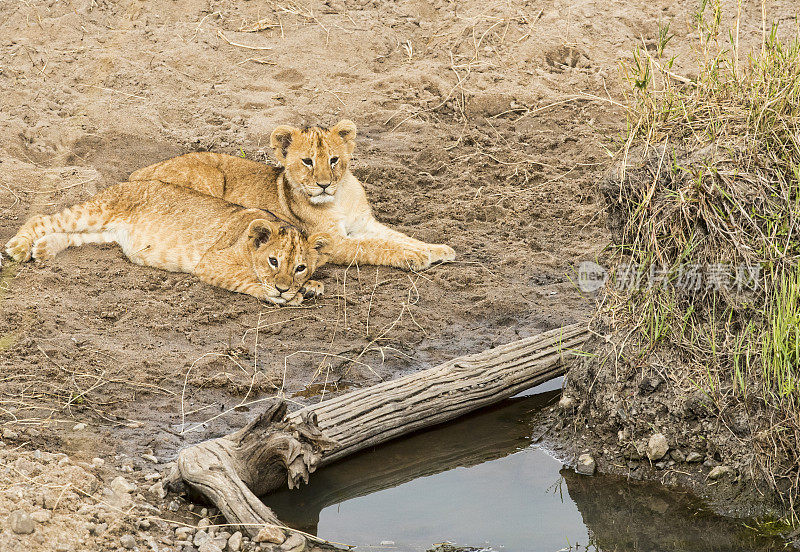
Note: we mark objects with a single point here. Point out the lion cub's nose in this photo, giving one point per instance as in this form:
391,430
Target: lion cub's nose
280,289
323,185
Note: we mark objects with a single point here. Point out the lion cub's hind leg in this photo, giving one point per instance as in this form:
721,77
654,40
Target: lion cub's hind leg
80,218
49,246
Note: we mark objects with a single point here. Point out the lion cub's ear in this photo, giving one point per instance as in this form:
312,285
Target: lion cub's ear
280,140
320,241
346,129
260,230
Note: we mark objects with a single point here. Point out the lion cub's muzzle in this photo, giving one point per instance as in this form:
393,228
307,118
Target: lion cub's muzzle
322,192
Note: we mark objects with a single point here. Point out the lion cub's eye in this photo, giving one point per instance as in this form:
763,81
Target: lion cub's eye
273,261
334,160
308,162
300,268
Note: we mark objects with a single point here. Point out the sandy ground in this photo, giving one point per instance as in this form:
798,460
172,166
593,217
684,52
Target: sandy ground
481,125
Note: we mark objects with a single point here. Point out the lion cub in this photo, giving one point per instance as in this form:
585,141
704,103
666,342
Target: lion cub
313,189
244,250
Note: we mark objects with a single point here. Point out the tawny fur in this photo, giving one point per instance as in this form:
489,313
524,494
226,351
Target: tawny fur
180,230
314,190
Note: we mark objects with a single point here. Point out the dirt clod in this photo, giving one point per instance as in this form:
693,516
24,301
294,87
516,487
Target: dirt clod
21,522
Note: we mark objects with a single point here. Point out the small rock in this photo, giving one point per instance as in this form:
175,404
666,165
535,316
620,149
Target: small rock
152,476
174,506
144,524
158,490
295,543
209,546
648,385
719,472
270,534
235,542
387,543
200,537
657,447
677,455
100,528
80,427
638,450
184,533
203,523
204,512
120,485
63,547
63,461
128,542
586,464
150,458
41,516
98,462
566,403
10,434
21,523
694,457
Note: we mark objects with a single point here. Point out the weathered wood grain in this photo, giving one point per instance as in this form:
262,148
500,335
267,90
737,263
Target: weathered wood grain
277,448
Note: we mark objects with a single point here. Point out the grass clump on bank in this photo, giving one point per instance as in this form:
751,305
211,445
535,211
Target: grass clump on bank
704,211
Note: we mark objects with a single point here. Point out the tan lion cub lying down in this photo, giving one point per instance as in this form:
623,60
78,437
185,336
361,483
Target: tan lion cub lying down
245,250
313,189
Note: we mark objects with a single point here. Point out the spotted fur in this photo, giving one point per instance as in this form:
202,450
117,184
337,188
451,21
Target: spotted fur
165,226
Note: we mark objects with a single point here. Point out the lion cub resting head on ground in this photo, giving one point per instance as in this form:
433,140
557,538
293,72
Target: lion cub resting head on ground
156,224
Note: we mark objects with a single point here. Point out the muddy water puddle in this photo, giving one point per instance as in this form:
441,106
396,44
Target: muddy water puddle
483,482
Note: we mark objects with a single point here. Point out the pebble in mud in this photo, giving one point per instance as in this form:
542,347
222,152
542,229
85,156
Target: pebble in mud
270,534
719,472
200,537
209,547
235,542
567,403
21,523
677,455
120,485
657,447
128,542
294,543
694,457
586,464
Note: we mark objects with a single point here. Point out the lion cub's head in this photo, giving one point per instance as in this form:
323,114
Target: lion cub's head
315,158
283,258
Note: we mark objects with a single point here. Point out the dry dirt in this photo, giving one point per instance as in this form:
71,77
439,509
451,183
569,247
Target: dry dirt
484,125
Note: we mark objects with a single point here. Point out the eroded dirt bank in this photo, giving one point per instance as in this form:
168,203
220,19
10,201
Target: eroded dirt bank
479,126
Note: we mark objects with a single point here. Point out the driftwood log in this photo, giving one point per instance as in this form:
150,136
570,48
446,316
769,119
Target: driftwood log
487,434
279,447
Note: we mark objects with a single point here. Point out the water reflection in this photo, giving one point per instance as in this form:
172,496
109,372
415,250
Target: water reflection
479,481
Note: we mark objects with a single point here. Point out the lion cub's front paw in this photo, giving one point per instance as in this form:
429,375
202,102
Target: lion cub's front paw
19,248
442,254
296,300
312,289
